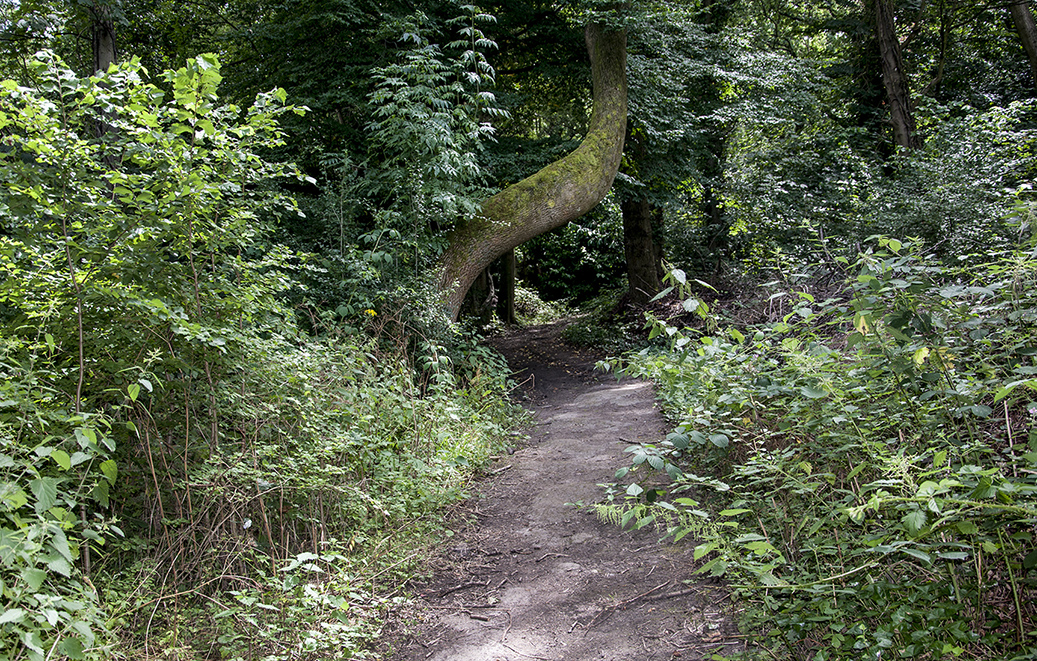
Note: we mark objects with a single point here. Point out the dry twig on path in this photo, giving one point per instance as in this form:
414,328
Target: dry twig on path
624,604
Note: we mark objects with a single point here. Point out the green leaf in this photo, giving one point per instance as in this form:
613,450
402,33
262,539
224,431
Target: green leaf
12,615
920,555
110,470
967,527
46,491
939,458
1030,561
72,648
12,496
719,440
34,578
62,459
61,566
704,549
734,512
812,392
953,555
635,489
914,521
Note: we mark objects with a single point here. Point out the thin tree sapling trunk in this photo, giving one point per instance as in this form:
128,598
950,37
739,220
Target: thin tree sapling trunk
642,253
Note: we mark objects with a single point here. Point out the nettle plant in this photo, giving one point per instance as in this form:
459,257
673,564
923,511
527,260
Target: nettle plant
862,471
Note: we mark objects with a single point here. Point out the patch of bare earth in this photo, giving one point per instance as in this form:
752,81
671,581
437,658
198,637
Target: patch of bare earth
530,576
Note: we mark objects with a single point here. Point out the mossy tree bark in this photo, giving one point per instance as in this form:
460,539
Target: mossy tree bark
560,192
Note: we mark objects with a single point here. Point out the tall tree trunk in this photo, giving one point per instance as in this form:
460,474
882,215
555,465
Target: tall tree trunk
1022,17
894,78
102,26
642,253
560,192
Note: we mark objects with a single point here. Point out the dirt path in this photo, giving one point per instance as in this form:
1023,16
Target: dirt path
534,577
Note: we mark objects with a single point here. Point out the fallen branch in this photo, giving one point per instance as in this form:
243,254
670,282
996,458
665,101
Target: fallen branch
624,604
463,586
529,656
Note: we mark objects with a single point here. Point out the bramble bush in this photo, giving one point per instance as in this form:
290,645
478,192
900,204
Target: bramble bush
862,470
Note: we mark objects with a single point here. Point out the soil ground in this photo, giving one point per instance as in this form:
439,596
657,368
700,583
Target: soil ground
528,575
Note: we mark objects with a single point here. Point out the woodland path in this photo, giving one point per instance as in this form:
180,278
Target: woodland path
528,575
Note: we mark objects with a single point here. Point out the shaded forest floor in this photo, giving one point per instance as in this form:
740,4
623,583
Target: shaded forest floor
528,575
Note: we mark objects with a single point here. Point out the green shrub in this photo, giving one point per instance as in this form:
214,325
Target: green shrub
862,471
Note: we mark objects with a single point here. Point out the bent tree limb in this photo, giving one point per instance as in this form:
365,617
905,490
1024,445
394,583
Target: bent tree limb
560,192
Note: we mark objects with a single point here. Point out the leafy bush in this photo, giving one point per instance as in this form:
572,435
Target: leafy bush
155,384
862,471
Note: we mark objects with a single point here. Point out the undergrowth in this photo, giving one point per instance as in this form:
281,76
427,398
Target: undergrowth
861,472
186,471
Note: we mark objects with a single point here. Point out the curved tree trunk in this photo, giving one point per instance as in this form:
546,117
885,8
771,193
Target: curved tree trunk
1022,17
562,191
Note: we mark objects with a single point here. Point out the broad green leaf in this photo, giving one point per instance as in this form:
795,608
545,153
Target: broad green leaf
59,542
939,459
60,565
953,555
110,470
12,496
967,527
10,543
704,549
914,521
62,459
46,491
1030,561
12,615
812,392
72,648
719,440
34,578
